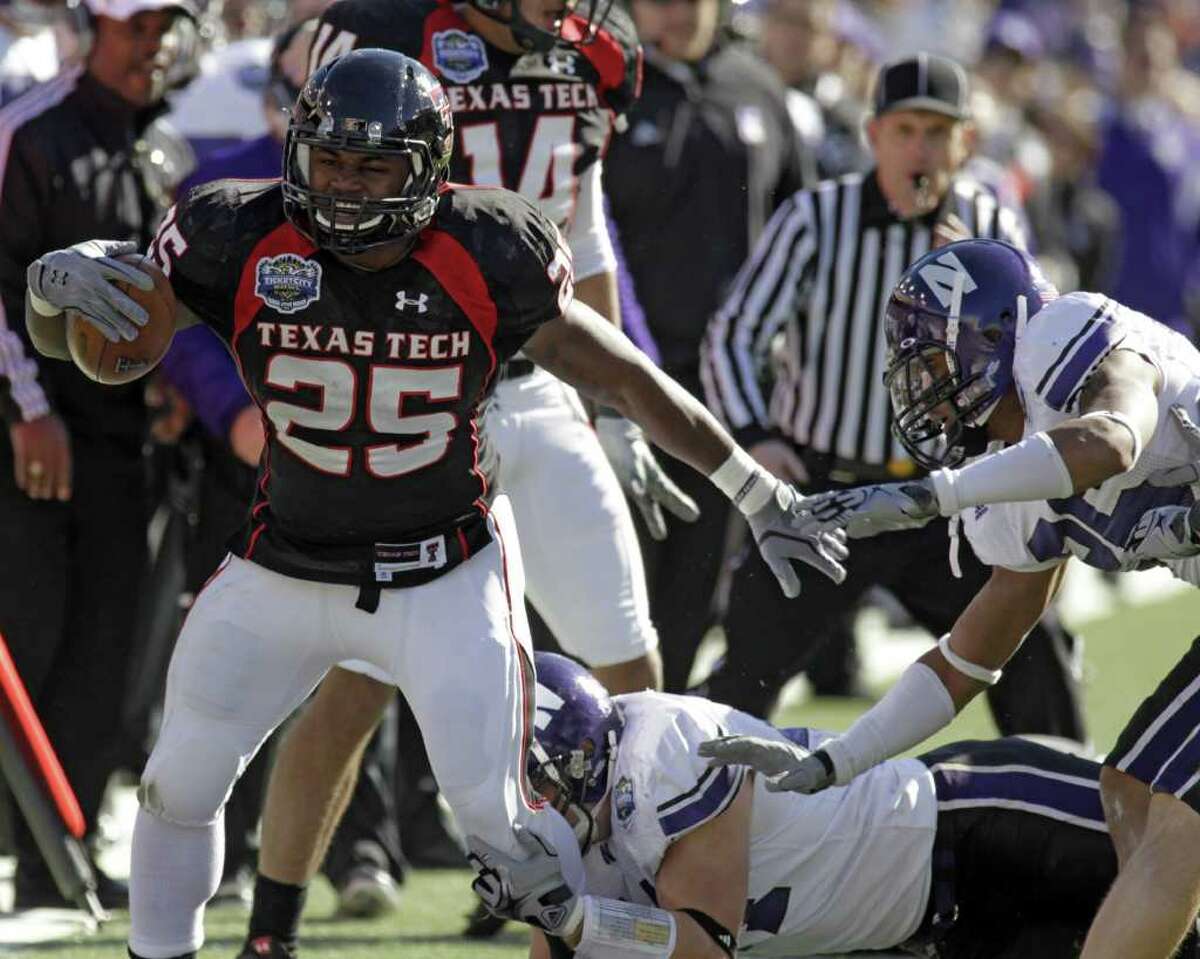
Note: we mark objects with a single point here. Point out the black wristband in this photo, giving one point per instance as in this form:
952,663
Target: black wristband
825,761
717,932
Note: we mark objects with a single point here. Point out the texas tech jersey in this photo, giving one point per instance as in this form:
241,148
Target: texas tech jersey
369,382
842,870
1056,354
530,122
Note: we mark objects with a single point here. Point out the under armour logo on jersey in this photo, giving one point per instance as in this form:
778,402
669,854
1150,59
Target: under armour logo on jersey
403,301
941,276
561,61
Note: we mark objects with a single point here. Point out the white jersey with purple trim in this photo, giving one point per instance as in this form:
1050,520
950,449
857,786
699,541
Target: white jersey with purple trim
1056,354
845,869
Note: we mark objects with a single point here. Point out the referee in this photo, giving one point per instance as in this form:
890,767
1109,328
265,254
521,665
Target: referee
821,273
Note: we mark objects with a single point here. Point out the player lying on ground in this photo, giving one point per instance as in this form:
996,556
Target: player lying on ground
977,849
370,480
1097,404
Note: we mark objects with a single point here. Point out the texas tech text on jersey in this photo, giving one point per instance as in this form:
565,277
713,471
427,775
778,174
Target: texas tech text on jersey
369,383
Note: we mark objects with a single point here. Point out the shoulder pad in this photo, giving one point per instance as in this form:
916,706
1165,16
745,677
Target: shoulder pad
213,217
1062,346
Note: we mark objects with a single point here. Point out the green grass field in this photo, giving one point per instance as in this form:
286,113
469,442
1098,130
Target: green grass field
1127,654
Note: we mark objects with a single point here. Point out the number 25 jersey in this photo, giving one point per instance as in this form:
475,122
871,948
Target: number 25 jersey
1056,354
369,382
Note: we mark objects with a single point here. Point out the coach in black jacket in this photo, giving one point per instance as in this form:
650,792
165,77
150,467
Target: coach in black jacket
80,157
821,275
709,152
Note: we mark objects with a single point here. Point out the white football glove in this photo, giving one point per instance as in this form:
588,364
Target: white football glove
640,475
864,511
1168,532
531,890
785,766
81,278
1190,472
784,529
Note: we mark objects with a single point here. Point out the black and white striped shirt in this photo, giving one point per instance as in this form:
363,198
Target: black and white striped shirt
822,272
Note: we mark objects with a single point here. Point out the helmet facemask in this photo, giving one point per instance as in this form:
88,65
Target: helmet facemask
932,402
350,225
374,103
571,782
936,397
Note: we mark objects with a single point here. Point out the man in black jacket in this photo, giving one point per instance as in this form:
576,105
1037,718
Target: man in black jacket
710,151
80,157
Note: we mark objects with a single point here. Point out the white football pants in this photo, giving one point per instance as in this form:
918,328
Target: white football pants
254,646
583,565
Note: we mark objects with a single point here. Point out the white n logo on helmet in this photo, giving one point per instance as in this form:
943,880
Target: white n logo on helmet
548,703
941,276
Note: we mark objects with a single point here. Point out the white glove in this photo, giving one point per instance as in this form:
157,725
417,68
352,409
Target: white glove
864,511
1168,532
784,529
531,890
81,278
786,766
1190,472
640,476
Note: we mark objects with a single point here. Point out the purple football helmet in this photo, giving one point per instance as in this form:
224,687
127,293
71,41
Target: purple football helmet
951,325
576,732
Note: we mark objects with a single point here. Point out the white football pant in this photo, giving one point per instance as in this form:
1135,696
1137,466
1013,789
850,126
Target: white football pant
583,565
254,646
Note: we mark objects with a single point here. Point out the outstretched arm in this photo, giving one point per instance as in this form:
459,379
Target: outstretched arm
926,698
587,352
1118,415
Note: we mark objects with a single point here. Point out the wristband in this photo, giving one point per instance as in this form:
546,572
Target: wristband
981,674
42,307
743,481
624,930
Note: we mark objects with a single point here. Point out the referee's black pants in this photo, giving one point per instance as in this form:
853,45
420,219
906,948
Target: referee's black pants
682,571
70,574
771,638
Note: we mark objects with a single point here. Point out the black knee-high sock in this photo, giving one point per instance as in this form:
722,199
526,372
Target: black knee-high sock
277,908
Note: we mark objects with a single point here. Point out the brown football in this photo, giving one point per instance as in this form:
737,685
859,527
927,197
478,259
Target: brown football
123,362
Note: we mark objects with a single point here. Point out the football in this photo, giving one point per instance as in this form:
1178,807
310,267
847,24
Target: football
115,363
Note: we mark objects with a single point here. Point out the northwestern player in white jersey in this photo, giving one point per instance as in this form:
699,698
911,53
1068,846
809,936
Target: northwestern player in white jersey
1097,404
995,849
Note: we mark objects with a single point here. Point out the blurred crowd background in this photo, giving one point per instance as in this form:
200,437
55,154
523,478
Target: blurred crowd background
1086,122
1087,112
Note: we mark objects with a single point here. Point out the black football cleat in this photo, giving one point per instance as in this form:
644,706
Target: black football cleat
481,924
266,947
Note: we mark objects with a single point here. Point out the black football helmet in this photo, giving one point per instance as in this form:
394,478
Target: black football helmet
571,27
368,101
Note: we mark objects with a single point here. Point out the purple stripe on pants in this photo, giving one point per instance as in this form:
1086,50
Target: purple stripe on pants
1153,755
1081,800
1181,767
